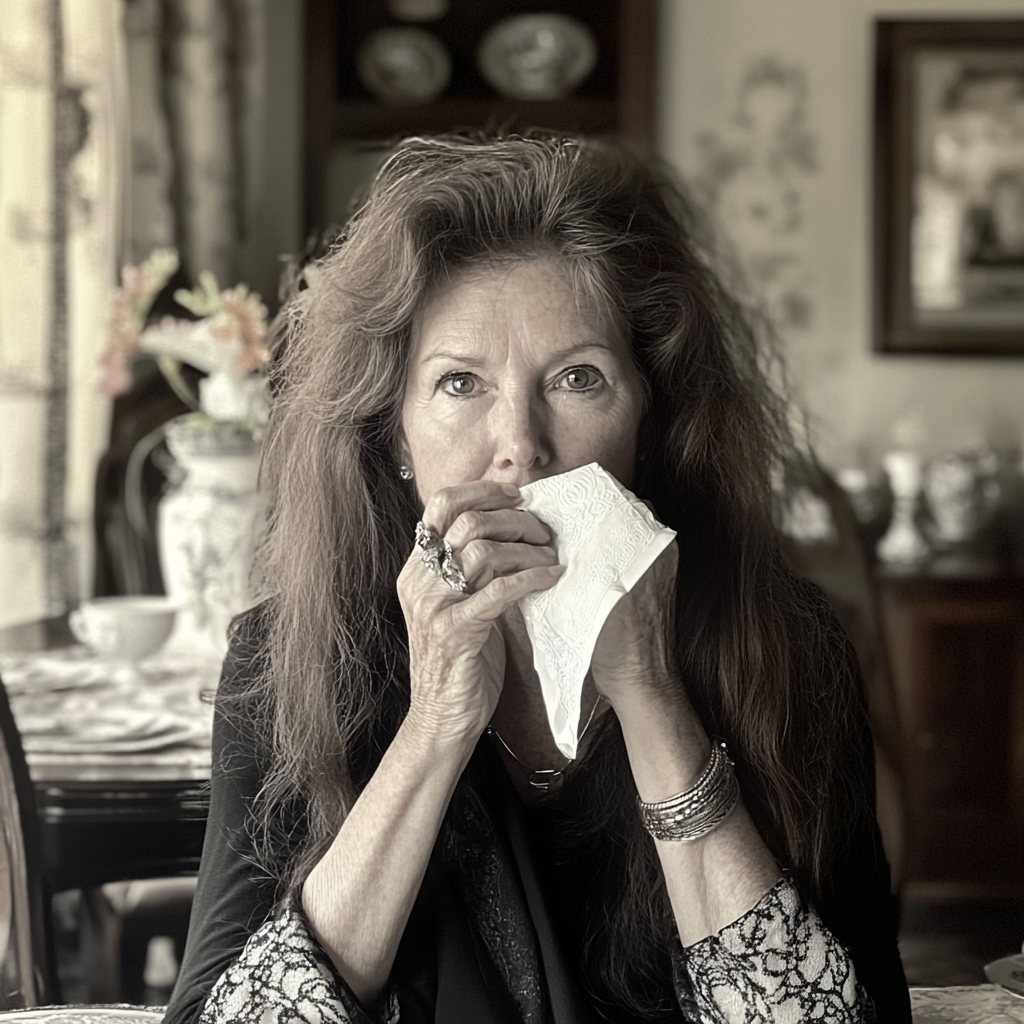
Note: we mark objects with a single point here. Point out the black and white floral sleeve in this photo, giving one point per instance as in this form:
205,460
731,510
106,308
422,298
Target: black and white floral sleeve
283,977
777,964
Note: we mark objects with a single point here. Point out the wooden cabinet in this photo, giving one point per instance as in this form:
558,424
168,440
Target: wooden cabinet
956,647
616,97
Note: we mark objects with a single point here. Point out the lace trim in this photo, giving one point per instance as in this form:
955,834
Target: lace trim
283,977
777,964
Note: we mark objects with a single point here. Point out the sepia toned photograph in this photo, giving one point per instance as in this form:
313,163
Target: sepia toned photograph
467,555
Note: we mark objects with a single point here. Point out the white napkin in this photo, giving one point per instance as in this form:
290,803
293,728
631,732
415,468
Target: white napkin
608,539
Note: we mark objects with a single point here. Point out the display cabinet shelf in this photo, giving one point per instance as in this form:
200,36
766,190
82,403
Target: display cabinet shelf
617,97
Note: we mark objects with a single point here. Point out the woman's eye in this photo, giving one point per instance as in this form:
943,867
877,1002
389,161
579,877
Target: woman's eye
579,378
458,383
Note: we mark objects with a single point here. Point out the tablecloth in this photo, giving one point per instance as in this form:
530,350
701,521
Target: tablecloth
85,718
966,1004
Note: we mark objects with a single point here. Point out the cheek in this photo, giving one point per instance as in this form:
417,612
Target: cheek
608,440
446,450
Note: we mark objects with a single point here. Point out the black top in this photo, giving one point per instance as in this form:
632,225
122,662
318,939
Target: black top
495,922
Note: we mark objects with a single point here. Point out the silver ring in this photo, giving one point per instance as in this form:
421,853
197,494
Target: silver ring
451,571
429,545
438,557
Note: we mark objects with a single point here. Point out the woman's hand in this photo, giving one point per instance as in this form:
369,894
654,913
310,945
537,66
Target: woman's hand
715,880
359,895
456,653
633,658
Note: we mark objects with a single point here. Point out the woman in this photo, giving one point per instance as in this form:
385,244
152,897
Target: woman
502,311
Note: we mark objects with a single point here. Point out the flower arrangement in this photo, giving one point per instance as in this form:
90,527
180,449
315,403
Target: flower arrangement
228,341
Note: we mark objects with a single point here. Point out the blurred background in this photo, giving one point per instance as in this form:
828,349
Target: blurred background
234,131
224,130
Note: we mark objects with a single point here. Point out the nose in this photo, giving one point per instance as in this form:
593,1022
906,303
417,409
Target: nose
519,432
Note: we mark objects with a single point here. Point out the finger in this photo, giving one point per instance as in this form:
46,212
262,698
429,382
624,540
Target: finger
506,524
482,560
445,505
487,604
416,578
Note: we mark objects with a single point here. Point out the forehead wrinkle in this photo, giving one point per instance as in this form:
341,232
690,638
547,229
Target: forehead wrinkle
468,332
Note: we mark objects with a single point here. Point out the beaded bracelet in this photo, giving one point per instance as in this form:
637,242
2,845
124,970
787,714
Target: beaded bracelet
699,810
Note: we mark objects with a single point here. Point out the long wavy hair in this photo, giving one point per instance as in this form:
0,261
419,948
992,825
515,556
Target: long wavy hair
764,664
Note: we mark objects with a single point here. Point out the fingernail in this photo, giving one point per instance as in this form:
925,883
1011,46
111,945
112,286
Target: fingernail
511,490
557,570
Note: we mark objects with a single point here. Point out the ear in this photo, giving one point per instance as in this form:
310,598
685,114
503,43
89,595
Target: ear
402,456
402,453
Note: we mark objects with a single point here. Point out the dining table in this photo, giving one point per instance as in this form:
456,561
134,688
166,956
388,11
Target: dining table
119,754
966,1004
120,761
960,1004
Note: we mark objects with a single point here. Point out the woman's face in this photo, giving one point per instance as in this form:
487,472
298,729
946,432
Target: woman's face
513,377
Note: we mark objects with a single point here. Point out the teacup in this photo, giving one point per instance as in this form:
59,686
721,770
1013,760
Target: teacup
124,628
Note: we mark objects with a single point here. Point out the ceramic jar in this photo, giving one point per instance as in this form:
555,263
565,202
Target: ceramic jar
903,543
206,529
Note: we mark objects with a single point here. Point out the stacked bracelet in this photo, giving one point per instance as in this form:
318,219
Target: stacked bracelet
700,809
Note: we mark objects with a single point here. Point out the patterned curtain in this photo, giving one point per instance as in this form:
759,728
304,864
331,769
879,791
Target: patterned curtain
124,125
61,164
196,70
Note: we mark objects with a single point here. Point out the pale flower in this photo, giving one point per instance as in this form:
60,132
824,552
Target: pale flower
132,303
236,317
228,341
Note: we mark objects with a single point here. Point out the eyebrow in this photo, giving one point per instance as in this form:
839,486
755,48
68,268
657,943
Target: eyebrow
468,360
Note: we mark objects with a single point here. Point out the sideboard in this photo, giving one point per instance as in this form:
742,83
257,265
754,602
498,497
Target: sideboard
956,651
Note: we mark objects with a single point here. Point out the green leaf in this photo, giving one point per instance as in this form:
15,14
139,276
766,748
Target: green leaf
171,369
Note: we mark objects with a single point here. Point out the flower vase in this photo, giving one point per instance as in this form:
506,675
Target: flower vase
206,529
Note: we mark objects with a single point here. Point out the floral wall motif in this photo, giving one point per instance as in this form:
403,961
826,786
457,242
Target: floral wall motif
853,395
752,173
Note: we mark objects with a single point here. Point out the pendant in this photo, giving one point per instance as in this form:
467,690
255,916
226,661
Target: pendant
542,778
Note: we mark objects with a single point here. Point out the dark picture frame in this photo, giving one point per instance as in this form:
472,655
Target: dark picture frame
949,187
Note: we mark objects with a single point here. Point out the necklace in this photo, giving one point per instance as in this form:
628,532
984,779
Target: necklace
543,778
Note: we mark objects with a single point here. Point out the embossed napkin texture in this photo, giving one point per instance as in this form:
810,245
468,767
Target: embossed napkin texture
608,539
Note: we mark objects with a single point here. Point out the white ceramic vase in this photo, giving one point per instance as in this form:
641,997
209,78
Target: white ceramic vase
903,543
206,530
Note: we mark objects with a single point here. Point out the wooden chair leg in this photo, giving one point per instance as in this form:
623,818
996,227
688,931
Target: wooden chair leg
100,947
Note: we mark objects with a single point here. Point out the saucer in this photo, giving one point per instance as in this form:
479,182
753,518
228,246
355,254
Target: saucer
404,65
1008,974
537,56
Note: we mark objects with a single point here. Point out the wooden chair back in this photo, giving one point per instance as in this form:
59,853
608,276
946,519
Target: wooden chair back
24,965
837,561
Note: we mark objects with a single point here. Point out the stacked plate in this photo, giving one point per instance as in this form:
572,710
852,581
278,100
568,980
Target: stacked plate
529,57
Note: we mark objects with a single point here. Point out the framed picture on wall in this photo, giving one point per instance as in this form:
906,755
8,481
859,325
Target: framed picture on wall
949,187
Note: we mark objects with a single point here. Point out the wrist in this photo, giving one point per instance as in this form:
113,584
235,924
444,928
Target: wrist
432,739
667,745
634,682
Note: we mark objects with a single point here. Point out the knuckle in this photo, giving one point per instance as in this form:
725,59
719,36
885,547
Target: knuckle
438,506
502,586
476,551
467,525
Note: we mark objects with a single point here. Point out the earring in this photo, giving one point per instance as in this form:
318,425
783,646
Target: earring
405,472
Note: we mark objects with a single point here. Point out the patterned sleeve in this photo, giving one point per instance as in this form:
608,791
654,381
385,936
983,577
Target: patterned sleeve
777,963
283,977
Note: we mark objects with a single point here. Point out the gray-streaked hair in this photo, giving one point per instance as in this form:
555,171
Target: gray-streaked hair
763,663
